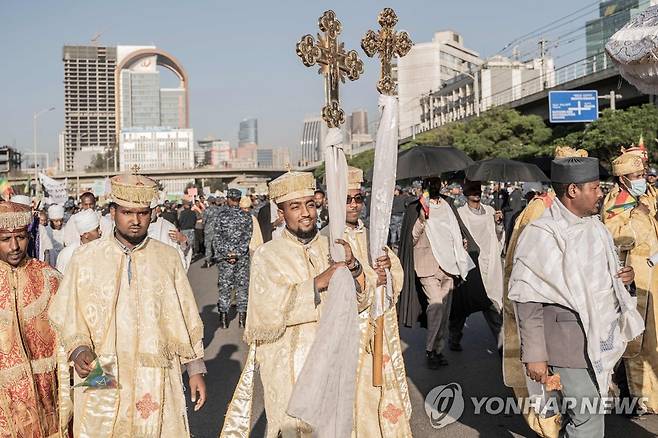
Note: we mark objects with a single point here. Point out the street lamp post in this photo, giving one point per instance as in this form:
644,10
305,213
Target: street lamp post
34,127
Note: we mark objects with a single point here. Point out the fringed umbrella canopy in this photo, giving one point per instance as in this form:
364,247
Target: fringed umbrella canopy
634,49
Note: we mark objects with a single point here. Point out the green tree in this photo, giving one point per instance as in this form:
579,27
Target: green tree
604,137
102,162
499,132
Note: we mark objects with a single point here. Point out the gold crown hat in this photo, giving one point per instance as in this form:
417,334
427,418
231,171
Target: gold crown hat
640,150
134,191
627,163
292,185
14,216
245,202
354,178
568,152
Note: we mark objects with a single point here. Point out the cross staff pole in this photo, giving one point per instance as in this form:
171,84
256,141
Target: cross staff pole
386,43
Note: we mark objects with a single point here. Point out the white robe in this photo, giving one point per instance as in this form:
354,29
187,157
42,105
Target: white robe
50,240
483,229
159,230
71,235
64,256
446,240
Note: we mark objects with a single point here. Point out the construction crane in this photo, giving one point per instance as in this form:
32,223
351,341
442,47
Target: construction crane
96,37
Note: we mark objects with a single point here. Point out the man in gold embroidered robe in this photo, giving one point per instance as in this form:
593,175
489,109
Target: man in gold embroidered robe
288,278
125,301
385,411
28,379
629,212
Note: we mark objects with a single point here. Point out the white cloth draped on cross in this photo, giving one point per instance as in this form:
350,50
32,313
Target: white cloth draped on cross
325,390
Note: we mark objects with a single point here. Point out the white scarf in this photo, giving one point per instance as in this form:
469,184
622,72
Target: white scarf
547,269
491,267
324,393
446,240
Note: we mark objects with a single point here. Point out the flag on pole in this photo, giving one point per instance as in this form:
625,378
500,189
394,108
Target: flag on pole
5,189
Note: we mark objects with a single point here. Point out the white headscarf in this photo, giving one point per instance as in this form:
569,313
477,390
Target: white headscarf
85,221
55,212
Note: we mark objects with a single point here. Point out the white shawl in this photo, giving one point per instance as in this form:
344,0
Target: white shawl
325,391
446,240
159,230
548,269
483,230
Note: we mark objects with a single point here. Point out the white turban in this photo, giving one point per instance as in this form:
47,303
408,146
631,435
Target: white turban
22,199
85,221
55,212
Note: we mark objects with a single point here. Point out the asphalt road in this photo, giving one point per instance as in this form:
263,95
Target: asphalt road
477,369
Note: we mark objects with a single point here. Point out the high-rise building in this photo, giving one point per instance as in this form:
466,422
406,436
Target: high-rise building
172,107
89,100
10,159
613,15
311,145
280,158
153,121
359,122
156,148
248,132
265,157
212,152
425,69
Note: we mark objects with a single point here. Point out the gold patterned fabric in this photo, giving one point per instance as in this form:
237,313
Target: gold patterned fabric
28,380
385,411
137,311
513,369
292,185
282,320
14,216
636,236
626,164
354,178
133,191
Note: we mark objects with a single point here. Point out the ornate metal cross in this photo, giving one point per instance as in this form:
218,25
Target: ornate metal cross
387,43
334,64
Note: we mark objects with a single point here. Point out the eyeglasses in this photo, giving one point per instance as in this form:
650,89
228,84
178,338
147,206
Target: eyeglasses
358,199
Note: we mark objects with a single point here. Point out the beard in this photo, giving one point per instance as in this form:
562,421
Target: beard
305,235
133,240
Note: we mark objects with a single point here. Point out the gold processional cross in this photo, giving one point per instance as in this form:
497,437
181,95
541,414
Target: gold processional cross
387,43
335,63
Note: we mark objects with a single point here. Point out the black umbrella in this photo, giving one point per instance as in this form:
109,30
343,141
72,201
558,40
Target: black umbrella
500,169
426,161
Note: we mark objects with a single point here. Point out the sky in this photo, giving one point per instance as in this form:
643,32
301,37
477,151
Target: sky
240,55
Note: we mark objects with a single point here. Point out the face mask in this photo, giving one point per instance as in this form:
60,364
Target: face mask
638,187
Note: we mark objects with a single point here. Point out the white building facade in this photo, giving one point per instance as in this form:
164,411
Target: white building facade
156,148
425,69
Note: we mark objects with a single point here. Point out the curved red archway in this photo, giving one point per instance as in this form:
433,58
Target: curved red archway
163,59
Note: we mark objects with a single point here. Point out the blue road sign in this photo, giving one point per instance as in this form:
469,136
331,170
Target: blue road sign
574,106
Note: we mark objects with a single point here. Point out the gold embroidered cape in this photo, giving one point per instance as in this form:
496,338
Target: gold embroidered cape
28,380
513,369
136,310
636,235
385,411
282,320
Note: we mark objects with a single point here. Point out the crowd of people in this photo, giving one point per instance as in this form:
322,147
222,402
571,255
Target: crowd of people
100,298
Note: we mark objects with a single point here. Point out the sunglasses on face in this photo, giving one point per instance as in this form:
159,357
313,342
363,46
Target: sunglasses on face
358,199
